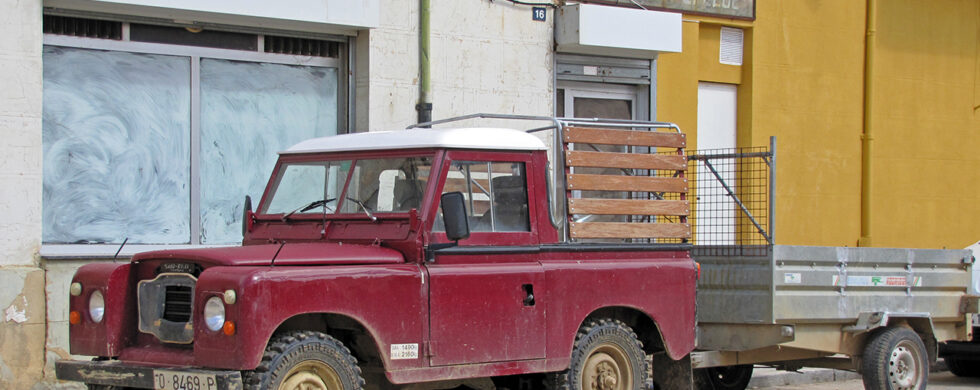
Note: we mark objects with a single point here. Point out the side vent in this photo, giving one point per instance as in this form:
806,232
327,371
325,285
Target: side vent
301,46
79,27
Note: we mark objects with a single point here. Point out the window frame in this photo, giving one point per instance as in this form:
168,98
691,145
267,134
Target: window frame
488,238
195,55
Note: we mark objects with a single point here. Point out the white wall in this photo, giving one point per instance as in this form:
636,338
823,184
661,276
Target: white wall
485,57
22,301
20,130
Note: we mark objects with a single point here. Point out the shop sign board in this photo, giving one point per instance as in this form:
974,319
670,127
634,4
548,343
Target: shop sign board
743,9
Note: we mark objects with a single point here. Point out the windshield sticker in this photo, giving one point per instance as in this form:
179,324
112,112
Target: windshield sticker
404,351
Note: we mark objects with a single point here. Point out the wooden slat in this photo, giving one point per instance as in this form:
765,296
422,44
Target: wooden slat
588,182
454,184
629,230
575,158
625,137
628,207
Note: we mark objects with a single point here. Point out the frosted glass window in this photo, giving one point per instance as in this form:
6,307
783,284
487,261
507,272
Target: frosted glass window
249,112
116,136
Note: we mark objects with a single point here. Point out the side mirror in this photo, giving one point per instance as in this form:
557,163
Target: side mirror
247,215
454,215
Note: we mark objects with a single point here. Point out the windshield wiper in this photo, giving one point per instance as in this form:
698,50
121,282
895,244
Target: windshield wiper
365,208
307,207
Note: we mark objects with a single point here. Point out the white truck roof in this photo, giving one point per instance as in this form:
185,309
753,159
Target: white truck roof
458,138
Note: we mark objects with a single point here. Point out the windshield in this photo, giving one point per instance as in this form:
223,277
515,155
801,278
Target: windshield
392,184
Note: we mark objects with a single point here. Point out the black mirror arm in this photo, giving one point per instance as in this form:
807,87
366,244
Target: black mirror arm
430,251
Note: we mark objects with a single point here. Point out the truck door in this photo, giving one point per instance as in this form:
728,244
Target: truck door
483,305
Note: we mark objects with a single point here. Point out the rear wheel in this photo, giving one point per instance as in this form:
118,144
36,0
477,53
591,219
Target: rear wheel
725,378
304,360
606,356
895,359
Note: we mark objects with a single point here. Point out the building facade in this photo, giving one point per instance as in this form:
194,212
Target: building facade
146,122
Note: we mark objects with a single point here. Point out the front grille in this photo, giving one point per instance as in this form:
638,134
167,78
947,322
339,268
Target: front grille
166,307
177,303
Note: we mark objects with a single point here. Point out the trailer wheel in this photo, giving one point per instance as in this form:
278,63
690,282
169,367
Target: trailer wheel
895,359
726,378
607,356
304,360
964,368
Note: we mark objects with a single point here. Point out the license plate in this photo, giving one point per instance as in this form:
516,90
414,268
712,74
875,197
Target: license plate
177,380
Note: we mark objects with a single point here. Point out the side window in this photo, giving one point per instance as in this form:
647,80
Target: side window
495,193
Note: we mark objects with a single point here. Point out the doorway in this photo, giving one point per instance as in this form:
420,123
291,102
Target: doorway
716,130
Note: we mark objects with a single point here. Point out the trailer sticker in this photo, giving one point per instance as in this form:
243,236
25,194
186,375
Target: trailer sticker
792,278
879,281
404,351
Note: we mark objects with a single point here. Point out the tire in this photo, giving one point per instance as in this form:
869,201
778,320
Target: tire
606,356
963,368
305,360
725,378
895,359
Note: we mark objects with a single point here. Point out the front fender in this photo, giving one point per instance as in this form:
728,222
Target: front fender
386,299
116,330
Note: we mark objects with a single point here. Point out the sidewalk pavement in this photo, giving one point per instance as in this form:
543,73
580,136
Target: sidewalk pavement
772,378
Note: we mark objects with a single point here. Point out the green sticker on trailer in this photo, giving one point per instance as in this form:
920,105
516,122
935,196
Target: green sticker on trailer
878,281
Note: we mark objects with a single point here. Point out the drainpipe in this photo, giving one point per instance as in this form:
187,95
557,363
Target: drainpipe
424,106
866,137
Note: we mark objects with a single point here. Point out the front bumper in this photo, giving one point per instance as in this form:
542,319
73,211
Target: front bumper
116,373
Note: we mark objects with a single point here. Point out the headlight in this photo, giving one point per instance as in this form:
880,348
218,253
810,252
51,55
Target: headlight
96,306
214,313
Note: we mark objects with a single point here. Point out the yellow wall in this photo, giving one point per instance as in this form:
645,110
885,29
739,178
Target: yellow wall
926,125
802,80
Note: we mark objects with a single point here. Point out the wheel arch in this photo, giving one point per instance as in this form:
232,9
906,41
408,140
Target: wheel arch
643,325
348,330
921,325
871,323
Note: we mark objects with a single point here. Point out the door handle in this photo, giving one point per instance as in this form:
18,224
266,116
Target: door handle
528,294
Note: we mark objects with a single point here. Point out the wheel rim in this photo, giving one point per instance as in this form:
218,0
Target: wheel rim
607,368
904,370
311,375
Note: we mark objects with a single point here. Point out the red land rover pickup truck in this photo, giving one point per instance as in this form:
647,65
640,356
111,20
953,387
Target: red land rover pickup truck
397,257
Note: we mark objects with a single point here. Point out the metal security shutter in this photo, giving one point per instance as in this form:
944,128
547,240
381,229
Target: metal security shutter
605,69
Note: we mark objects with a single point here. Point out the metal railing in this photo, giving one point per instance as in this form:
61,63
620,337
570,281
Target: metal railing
732,196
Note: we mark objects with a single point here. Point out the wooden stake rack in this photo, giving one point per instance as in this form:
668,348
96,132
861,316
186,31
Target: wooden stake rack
648,213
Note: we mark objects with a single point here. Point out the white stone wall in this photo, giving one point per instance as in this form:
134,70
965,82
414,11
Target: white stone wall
485,57
22,301
20,129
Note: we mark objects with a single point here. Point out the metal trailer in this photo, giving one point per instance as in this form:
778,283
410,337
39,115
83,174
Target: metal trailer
799,306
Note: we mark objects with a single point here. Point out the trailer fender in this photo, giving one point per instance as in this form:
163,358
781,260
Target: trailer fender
921,323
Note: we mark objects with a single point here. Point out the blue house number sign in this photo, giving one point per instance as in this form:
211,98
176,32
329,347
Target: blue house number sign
539,13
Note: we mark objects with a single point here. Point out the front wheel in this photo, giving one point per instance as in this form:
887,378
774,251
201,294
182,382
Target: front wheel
606,356
304,360
895,359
